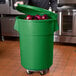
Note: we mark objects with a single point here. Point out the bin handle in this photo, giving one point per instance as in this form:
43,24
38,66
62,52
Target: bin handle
16,25
55,17
56,27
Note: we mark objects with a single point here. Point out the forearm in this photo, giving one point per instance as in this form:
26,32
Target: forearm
53,4
24,1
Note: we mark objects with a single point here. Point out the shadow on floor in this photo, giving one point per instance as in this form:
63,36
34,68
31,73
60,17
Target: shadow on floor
10,38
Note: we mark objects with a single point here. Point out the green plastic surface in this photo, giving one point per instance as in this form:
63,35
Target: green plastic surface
32,10
36,40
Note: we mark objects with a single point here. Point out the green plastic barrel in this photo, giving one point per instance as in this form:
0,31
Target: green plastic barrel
36,38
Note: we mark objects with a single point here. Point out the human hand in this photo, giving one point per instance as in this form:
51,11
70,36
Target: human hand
18,2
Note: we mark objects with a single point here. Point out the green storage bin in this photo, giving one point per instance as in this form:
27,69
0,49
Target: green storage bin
36,38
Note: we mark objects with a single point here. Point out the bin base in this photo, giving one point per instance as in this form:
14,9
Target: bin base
42,72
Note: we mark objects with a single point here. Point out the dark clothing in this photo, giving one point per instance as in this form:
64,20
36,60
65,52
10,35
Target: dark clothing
43,3
40,3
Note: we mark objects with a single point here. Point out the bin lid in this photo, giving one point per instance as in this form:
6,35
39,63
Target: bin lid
32,10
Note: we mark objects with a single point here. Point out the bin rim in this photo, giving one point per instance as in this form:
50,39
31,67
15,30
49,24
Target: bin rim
46,20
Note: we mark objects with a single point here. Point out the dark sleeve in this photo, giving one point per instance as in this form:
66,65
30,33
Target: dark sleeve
53,4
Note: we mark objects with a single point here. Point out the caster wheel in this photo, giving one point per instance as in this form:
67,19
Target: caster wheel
44,72
29,72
